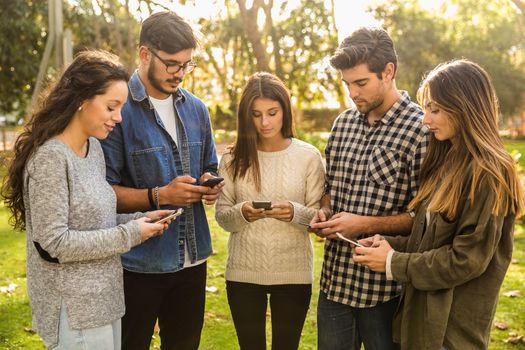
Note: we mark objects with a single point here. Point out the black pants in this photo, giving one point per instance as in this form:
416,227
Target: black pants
176,299
289,304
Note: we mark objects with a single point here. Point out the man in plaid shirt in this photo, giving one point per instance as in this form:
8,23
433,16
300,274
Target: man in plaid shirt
374,155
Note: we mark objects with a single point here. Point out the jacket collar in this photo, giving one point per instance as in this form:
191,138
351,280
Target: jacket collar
138,91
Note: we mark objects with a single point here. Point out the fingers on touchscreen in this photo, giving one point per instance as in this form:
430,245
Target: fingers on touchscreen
169,217
214,181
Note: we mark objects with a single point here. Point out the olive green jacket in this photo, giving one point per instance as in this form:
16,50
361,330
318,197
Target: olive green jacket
452,272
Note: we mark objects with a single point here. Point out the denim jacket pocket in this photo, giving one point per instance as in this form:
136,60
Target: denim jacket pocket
383,166
157,172
196,158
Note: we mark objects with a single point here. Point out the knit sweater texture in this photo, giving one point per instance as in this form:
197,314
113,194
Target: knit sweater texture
71,213
269,251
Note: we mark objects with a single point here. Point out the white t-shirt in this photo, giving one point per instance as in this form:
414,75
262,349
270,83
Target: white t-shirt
166,113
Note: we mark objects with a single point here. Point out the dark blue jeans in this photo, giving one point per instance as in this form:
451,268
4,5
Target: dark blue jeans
342,327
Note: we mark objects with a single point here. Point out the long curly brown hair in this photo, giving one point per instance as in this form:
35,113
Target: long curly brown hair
89,75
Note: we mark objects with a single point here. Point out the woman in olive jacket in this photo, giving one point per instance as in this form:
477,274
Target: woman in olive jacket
455,259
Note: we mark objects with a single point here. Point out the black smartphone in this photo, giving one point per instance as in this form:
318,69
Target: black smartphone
266,205
171,216
214,181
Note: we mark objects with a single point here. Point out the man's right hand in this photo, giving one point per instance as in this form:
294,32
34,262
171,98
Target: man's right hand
182,191
322,215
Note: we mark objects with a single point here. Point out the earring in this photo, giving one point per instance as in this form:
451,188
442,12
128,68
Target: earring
79,108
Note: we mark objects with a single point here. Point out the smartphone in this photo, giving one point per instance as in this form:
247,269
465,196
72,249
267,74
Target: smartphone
214,181
266,205
169,217
348,240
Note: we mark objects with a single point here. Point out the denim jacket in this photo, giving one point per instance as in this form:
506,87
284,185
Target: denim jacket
140,153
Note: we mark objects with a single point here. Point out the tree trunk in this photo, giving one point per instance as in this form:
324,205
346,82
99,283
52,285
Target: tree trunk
116,30
521,5
340,91
249,23
130,42
275,40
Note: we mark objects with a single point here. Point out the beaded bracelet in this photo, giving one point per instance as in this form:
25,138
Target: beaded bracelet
156,193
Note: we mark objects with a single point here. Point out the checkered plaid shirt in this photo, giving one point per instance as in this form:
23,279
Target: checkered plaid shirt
371,170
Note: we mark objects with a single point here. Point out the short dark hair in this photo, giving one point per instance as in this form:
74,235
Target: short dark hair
168,32
372,46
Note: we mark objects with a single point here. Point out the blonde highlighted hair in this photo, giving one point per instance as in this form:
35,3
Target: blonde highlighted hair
464,91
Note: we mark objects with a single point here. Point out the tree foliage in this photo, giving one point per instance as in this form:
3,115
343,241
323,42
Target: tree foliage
23,27
487,32
294,43
291,43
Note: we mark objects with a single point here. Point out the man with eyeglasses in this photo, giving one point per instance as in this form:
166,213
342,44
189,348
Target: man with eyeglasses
156,158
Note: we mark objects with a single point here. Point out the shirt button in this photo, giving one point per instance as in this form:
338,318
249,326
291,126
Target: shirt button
181,241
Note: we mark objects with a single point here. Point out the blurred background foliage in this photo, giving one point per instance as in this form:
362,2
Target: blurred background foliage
290,39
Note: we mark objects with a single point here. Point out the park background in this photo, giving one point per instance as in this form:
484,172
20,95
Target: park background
292,39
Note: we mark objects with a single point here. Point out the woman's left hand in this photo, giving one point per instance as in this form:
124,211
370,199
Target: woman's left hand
159,214
281,211
373,257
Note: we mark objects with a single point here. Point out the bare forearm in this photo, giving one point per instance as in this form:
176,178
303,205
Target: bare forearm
326,202
130,200
394,225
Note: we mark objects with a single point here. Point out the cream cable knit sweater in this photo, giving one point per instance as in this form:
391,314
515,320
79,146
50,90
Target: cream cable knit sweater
270,251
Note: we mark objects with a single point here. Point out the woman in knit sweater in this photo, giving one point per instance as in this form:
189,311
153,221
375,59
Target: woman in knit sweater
270,252
56,189
454,261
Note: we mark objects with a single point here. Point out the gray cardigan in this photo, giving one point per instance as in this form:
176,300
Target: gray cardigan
71,213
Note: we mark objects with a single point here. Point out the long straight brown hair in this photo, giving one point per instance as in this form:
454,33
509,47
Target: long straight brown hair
244,151
464,91
90,74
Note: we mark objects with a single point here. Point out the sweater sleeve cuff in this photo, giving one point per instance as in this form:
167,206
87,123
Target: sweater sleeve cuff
238,207
124,218
399,266
133,229
301,215
389,265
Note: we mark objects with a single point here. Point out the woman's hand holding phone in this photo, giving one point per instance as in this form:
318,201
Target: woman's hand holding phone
282,210
149,228
252,214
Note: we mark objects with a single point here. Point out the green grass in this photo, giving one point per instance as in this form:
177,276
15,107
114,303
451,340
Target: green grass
15,313
517,146
219,333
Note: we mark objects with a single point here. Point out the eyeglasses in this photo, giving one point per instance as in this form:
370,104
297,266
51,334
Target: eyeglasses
173,68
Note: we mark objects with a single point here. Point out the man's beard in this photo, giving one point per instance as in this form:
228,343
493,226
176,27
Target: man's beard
157,84
370,106
376,101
